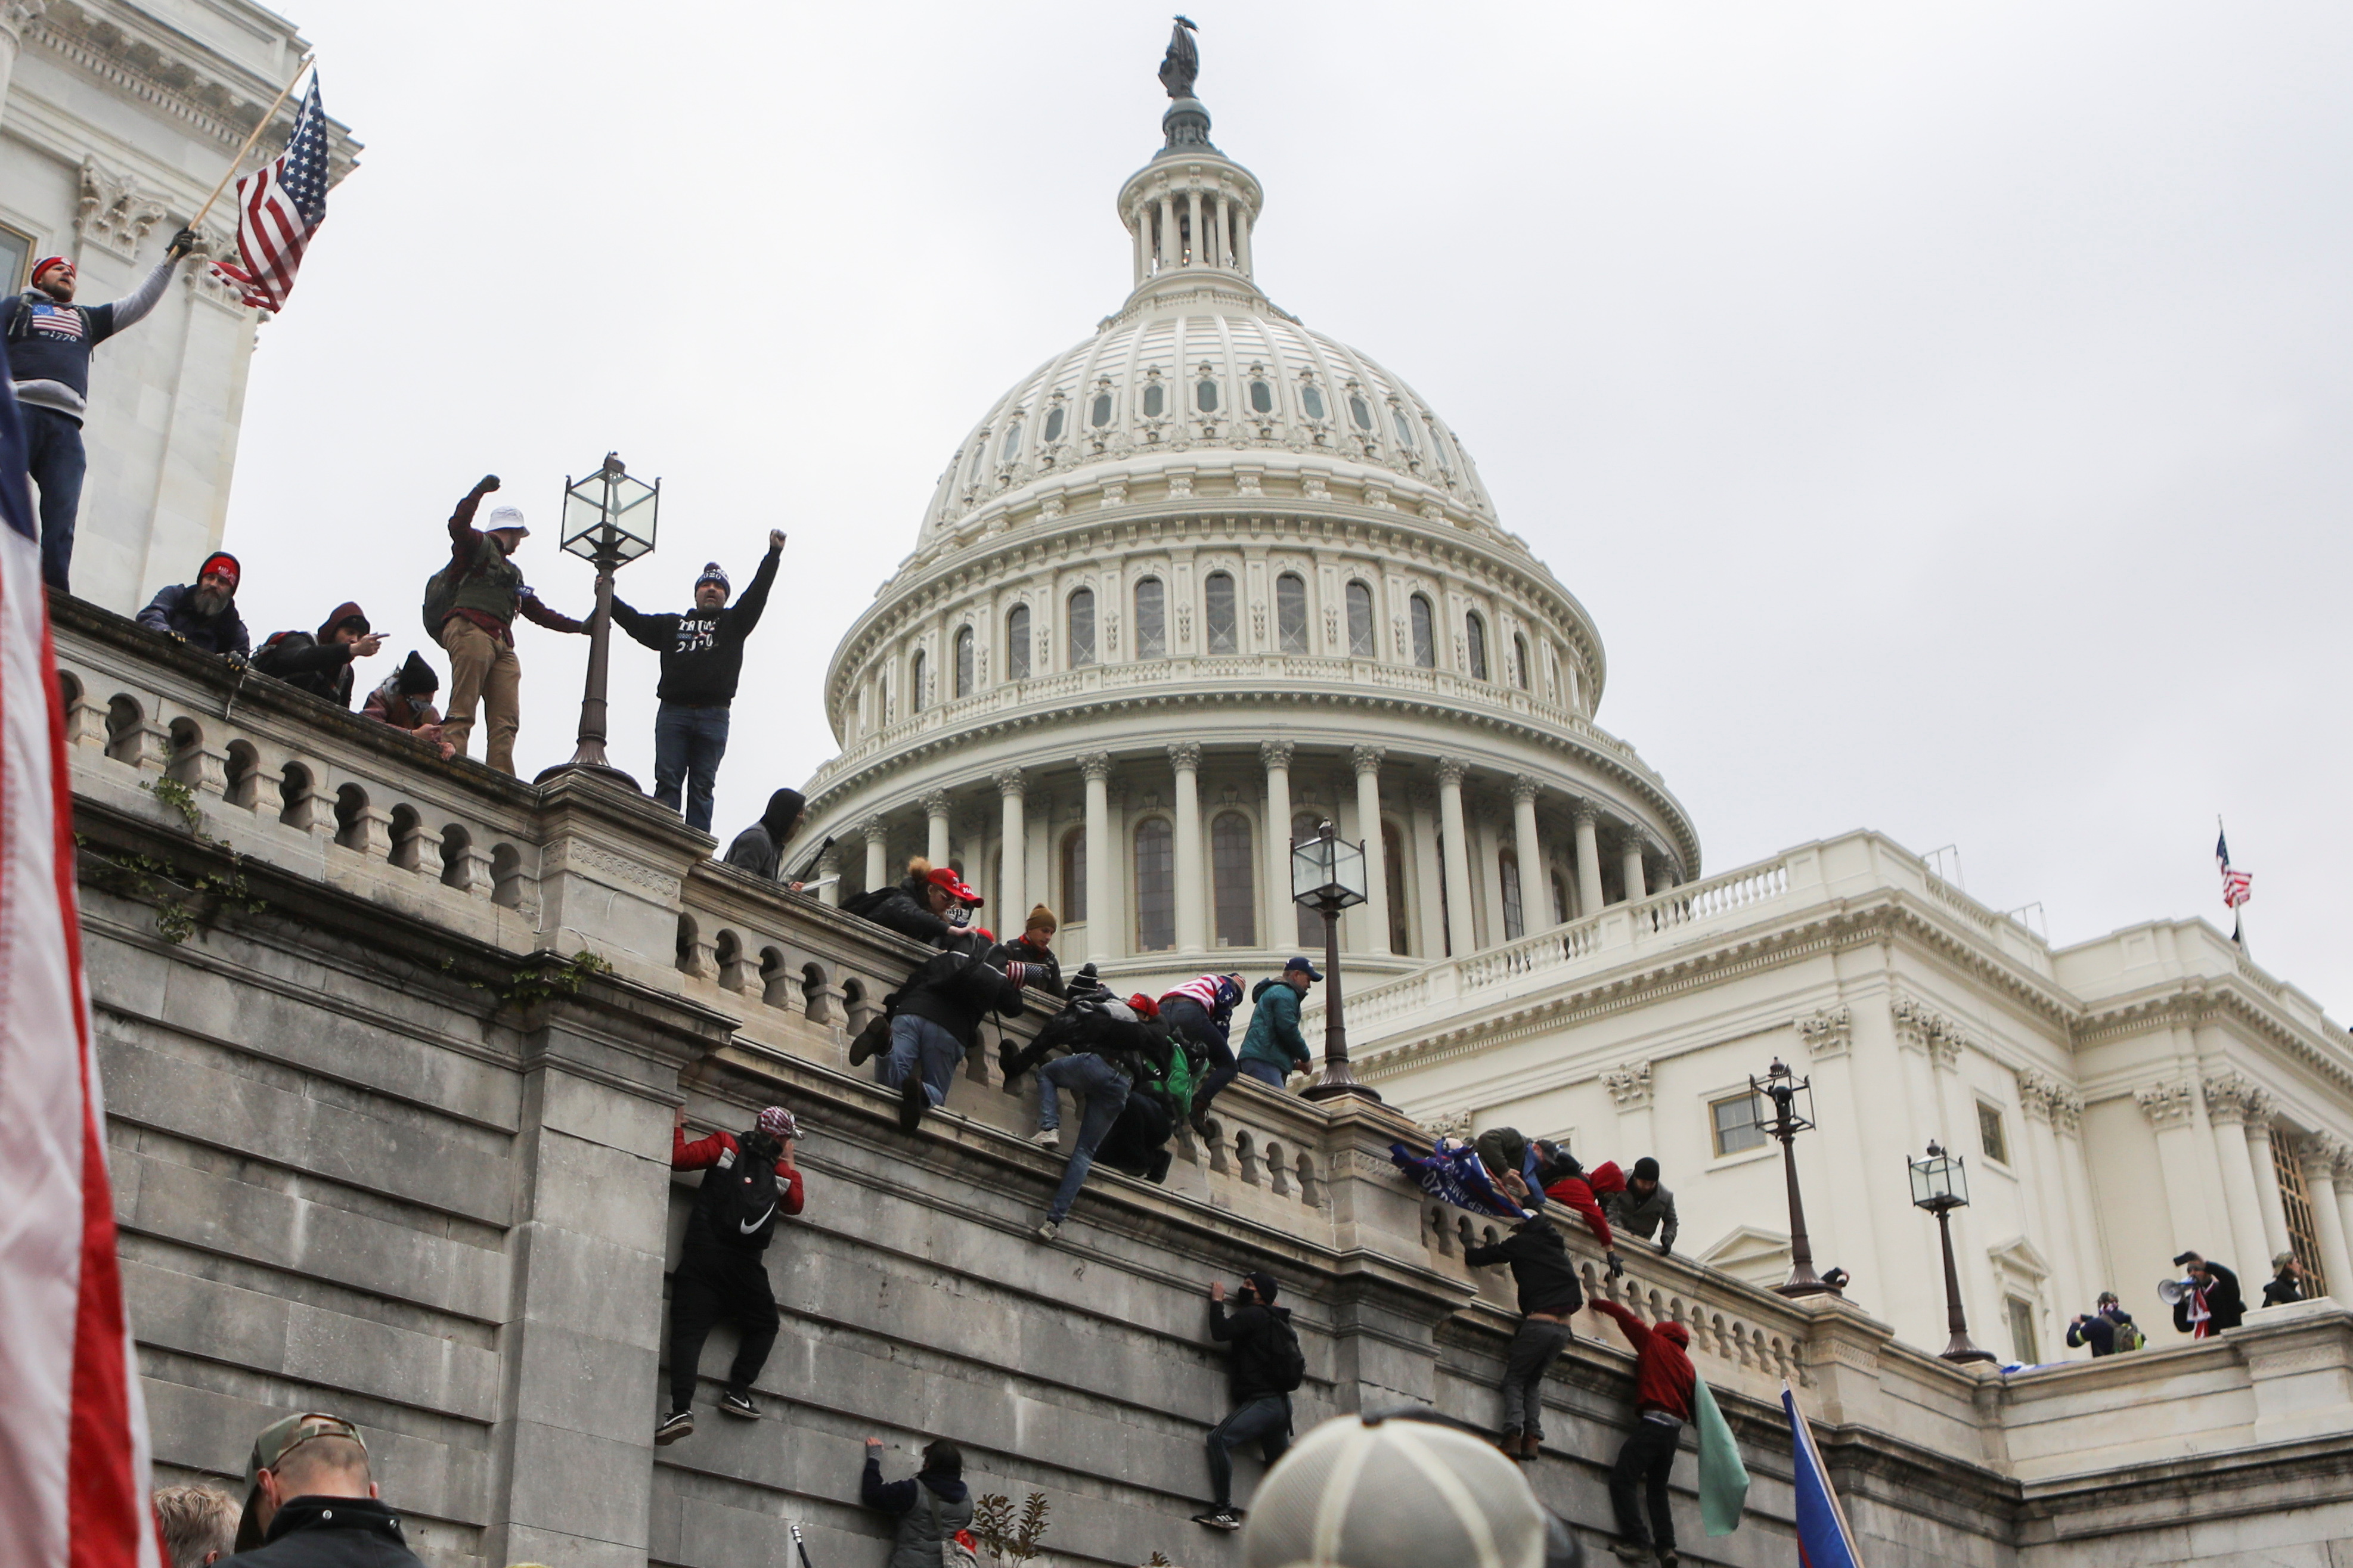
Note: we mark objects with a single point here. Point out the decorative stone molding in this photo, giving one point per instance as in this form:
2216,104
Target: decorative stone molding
1524,790
1448,1123
14,14
1585,815
1095,766
1630,842
2321,1155
936,803
1010,782
1921,1028
1450,770
1185,756
1276,753
1115,492
1367,759
874,831
2235,1097
2067,1111
1628,1086
1828,1033
2166,1105
115,215
2037,1093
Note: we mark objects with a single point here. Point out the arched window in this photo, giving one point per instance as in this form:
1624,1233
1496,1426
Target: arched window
1361,643
1205,396
1074,876
1230,881
1361,412
1101,415
1080,617
1012,447
1261,397
1016,642
915,683
1291,613
1425,637
1054,423
1393,864
1520,661
1218,600
1475,637
1155,886
1311,398
1507,869
1404,425
1151,619
1155,399
1305,825
964,662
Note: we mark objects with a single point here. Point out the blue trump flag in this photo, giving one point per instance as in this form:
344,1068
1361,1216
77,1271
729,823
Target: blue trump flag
1825,1540
1452,1172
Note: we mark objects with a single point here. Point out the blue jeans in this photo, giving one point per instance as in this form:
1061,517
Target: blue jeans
1105,1089
54,456
920,1045
1266,1421
1266,1073
688,744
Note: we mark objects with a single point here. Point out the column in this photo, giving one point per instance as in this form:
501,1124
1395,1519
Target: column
1535,876
1282,921
877,853
1193,206
1102,919
2267,1187
2067,1123
1630,865
2318,1157
1186,758
1142,228
1366,759
1428,879
14,15
1012,790
972,848
2340,1165
1242,239
2046,1185
2226,1113
1217,255
1458,855
829,864
1168,229
1588,863
936,808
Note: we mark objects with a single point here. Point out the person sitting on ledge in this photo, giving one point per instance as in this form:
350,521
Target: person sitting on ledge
403,701
321,664
932,1506
202,614
935,1019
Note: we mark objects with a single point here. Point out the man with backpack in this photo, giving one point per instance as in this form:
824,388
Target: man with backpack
933,1506
1110,1050
1263,1366
1201,1015
470,609
752,1180
936,1019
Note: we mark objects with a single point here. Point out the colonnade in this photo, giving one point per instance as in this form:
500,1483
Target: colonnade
2222,1137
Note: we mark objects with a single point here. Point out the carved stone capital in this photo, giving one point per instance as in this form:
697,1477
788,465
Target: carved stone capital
2319,1155
1185,756
2037,1092
873,830
1921,1028
1524,790
1628,1086
115,215
1828,1033
2067,1111
1451,770
936,803
1273,754
1095,766
2233,1099
1366,759
1630,842
15,15
1585,815
2166,1105
1448,1123
1010,783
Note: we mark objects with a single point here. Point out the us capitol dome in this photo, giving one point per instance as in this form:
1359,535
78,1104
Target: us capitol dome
1198,583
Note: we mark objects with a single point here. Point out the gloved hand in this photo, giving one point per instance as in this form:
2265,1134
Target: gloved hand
1665,1247
486,484
236,661
1617,1267
186,240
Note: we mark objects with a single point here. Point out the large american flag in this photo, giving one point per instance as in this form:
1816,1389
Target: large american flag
73,1430
279,207
2237,886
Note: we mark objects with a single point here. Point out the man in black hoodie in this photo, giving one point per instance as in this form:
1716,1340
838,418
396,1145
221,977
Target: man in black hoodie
321,664
935,1019
1259,1335
1549,1296
760,848
702,659
931,1507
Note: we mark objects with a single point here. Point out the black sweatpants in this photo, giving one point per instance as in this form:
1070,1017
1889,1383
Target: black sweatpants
709,1286
1645,1462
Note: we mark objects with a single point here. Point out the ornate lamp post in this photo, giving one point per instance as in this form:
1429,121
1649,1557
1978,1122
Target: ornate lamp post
1940,1186
608,519
1328,875
1792,1102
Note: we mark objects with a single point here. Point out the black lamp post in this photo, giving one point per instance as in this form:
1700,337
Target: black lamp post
1940,1186
1328,875
609,520
1792,1100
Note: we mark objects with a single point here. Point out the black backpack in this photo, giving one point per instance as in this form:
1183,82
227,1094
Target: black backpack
1286,1363
741,1198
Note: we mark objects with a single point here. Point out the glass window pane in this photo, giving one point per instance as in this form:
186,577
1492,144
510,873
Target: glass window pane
964,662
1155,886
1359,412
915,684
1425,638
1520,661
1012,442
1735,1126
1218,595
1102,409
1016,644
1151,619
1475,635
16,254
1305,825
1360,622
1261,397
1054,423
1155,398
1515,923
1559,898
1393,867
1074,876
1205,397
1081,619
1990,1137
1291,613
2021,1331
1404,425
1230,877
1311,398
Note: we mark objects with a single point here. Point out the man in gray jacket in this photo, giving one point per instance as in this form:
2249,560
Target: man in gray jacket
1645,1208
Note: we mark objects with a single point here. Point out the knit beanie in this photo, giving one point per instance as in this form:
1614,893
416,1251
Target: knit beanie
778,1123
1040,919
712,573
222,561
1646,1169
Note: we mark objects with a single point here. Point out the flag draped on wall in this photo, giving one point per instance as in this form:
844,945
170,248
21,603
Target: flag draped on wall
73,1431
2238,886
1824,1538
1453,1173
279,207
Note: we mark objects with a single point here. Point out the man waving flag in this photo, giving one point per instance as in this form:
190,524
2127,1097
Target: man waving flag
2238,886
279,207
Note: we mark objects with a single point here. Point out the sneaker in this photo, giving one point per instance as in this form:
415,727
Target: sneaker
1159,1171
1631,1550
1047,1138
868,1044
913,1102
1219,1519
737,1403
676,1424
1049,1230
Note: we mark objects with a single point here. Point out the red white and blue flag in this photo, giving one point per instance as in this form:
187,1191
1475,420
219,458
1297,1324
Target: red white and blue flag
2237,885
73,1429
279,207
1825,1540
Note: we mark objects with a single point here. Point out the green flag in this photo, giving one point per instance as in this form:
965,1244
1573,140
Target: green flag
1723,1478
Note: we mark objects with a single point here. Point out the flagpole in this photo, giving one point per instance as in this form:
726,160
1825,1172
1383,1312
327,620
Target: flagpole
250,138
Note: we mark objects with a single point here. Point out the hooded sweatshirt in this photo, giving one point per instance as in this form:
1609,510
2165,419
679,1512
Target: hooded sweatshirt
1663,1373
759,848
1540,1266
703,650
313,661
956,988
1578,1190
173,610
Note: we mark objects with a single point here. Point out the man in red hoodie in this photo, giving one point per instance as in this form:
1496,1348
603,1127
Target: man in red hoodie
1663,1376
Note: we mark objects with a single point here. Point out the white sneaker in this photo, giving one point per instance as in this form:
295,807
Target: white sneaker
1047,1138
1049,1231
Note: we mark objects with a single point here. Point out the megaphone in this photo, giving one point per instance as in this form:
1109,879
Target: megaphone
2173,1291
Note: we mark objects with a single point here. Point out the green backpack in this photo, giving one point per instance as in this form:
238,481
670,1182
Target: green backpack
1183,1078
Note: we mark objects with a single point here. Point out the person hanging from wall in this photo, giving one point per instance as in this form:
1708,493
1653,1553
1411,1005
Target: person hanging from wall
404,701
49,340
760,848
932,1506
1109,1052
1263,1368
751,1180
1663,1379
202,614
321,663
1201,1015
2210,1301
470,609
1272,1047
701,661
936,1019
1138,1141
1549,1296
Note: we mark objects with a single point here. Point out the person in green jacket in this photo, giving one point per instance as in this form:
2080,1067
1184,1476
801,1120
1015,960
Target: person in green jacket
1275,1048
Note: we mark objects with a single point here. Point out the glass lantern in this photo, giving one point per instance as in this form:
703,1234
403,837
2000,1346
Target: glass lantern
1327,872
610,515
1778,1088
1938,1182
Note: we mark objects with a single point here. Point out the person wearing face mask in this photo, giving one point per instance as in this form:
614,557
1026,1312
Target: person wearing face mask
202,614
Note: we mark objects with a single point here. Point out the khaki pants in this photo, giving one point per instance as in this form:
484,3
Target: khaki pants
482,668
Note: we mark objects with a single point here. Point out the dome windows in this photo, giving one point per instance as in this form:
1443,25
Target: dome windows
1261,397
964,662
1361,644
1156,885
915,683
1012,447
1519,661
1079,620
1425,639
1231,878
1099,416
1053,424
1205,394
1155,400
1218,603
1311,398
1151,619
1016,642
1404,427
1360,411
1474,637
1291,613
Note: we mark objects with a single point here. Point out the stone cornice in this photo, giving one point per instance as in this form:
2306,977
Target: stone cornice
2229,999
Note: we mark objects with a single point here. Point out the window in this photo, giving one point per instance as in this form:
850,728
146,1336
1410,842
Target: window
1425,638
2021,1331
1205,396
1261,397
915,683
1393,867
979,458
1155,886
1012,447
964,662
1990,1137
1217,597
2296,1199
1311,398
1151,619
1360,413
1361,644
1054,423
1734,1121
1080,617
1475,635
1305,825
1559,898
1155,399
1074,876
1016,642
1507,868
1291,613
16,254
1520,661
1230,881
1404,425
1102,414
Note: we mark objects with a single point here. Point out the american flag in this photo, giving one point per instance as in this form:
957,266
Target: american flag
279,207
73,1429
2236,885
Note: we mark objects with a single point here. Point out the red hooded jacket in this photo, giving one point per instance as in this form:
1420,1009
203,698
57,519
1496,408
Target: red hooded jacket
1663,1373
1579,1193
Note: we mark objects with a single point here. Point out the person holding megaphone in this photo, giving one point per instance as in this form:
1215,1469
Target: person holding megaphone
2206,1302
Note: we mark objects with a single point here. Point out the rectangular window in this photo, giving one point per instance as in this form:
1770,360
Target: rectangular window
1080,618
1514,917
1151,619
2022,1331
1155,886
16,254
1733,1120
1990,1137
1230,877
1218,603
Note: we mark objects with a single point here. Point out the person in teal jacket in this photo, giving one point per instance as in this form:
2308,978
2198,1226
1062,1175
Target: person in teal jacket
1275,1048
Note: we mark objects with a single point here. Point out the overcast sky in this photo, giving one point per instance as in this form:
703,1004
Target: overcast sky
1940,408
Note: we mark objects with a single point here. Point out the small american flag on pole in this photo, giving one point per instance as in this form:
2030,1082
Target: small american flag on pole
279,207
2236,884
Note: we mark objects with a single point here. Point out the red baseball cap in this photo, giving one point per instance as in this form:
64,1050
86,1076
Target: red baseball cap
945,876
1145,1007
